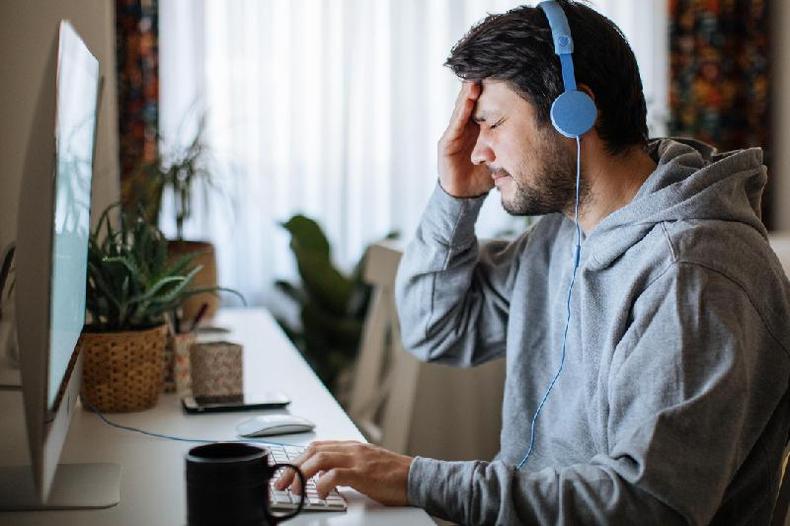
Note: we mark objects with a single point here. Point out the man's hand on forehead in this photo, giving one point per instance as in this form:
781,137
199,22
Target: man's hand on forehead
458,176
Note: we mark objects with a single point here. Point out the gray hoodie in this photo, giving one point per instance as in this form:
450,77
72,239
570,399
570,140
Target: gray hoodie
672,406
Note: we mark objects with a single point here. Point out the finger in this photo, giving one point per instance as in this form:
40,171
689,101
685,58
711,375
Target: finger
470,89
285,480
320,445
296,485
463,110
475,87
336,477
307,453
326,461
464,95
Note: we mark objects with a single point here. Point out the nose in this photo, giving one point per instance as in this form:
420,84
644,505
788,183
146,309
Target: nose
482,153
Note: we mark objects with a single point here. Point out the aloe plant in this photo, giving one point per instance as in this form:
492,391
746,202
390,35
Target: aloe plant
131,282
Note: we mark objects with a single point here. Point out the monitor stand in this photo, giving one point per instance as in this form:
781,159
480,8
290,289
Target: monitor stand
76,486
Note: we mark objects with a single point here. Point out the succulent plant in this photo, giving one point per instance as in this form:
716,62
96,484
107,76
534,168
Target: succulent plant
132,283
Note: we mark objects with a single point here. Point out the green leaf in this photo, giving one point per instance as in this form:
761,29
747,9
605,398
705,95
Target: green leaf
102,288
203,290
306,234
130,265
181,265
290,290
155,289
323,281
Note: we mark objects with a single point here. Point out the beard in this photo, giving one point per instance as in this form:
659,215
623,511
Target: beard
553,188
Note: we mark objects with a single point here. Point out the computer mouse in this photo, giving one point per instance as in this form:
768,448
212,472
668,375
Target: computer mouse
268,425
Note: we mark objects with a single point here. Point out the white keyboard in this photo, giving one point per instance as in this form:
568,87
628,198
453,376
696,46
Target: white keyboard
285,500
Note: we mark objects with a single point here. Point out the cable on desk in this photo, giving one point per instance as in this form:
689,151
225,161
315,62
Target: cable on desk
171,437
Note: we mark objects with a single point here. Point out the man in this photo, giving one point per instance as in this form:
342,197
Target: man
671,403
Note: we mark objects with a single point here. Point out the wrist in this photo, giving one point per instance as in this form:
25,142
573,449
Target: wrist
451,220
407,463
412,499
456,193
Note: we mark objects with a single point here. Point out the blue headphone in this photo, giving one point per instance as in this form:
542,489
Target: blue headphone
573,113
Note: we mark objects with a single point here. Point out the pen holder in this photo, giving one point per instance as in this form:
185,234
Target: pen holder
216,368
177,373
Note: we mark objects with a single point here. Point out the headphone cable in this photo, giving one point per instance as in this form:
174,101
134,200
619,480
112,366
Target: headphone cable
576,257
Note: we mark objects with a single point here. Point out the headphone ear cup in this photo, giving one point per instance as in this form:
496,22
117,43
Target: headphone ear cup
573,113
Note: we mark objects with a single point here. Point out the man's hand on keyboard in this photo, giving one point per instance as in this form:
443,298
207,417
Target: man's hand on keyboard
380,474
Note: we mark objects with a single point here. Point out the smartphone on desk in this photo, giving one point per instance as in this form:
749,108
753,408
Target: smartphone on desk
222,404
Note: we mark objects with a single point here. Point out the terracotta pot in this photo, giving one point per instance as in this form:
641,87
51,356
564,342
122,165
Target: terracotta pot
206,278
122,371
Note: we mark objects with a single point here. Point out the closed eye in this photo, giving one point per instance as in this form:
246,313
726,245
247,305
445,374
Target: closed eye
497,123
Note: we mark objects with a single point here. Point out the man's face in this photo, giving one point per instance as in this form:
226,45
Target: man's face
532,169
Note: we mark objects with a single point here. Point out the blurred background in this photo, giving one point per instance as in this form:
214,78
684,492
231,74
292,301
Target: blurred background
332,108
258,125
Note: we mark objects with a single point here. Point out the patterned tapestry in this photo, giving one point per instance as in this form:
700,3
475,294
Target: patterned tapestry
720,76
137,37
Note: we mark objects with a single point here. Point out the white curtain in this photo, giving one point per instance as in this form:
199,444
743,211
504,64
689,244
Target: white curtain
330,108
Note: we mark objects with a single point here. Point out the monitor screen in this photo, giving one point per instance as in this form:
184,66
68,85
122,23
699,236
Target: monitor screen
77,89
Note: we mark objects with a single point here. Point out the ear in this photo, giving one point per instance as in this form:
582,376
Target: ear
586,89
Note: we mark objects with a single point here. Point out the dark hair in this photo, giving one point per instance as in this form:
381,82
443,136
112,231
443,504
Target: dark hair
517,47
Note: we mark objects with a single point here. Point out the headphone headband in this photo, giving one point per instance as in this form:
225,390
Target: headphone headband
560,30
573,113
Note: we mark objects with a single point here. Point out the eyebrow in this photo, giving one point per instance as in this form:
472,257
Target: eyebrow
483,115
480,117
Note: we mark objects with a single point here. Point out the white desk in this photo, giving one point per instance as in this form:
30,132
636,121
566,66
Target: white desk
152,469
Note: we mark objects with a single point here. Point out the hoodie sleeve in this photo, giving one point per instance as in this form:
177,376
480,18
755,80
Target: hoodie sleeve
453,296
687,396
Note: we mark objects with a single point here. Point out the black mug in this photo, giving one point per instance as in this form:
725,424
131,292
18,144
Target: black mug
228,484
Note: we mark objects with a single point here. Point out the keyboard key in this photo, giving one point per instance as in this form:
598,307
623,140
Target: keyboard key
281,496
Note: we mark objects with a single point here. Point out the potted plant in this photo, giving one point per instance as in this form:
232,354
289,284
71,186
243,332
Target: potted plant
132,285
181,171
332,305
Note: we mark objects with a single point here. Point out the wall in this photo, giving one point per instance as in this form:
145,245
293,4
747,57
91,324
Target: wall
27,28
781,115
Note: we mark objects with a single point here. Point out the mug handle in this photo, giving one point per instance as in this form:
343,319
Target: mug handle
274,519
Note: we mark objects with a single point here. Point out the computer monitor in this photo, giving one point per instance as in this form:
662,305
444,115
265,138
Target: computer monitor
51,264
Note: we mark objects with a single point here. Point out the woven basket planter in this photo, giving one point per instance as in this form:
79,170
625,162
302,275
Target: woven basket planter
122,371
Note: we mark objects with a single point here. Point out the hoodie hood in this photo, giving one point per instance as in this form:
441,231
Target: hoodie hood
692,181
